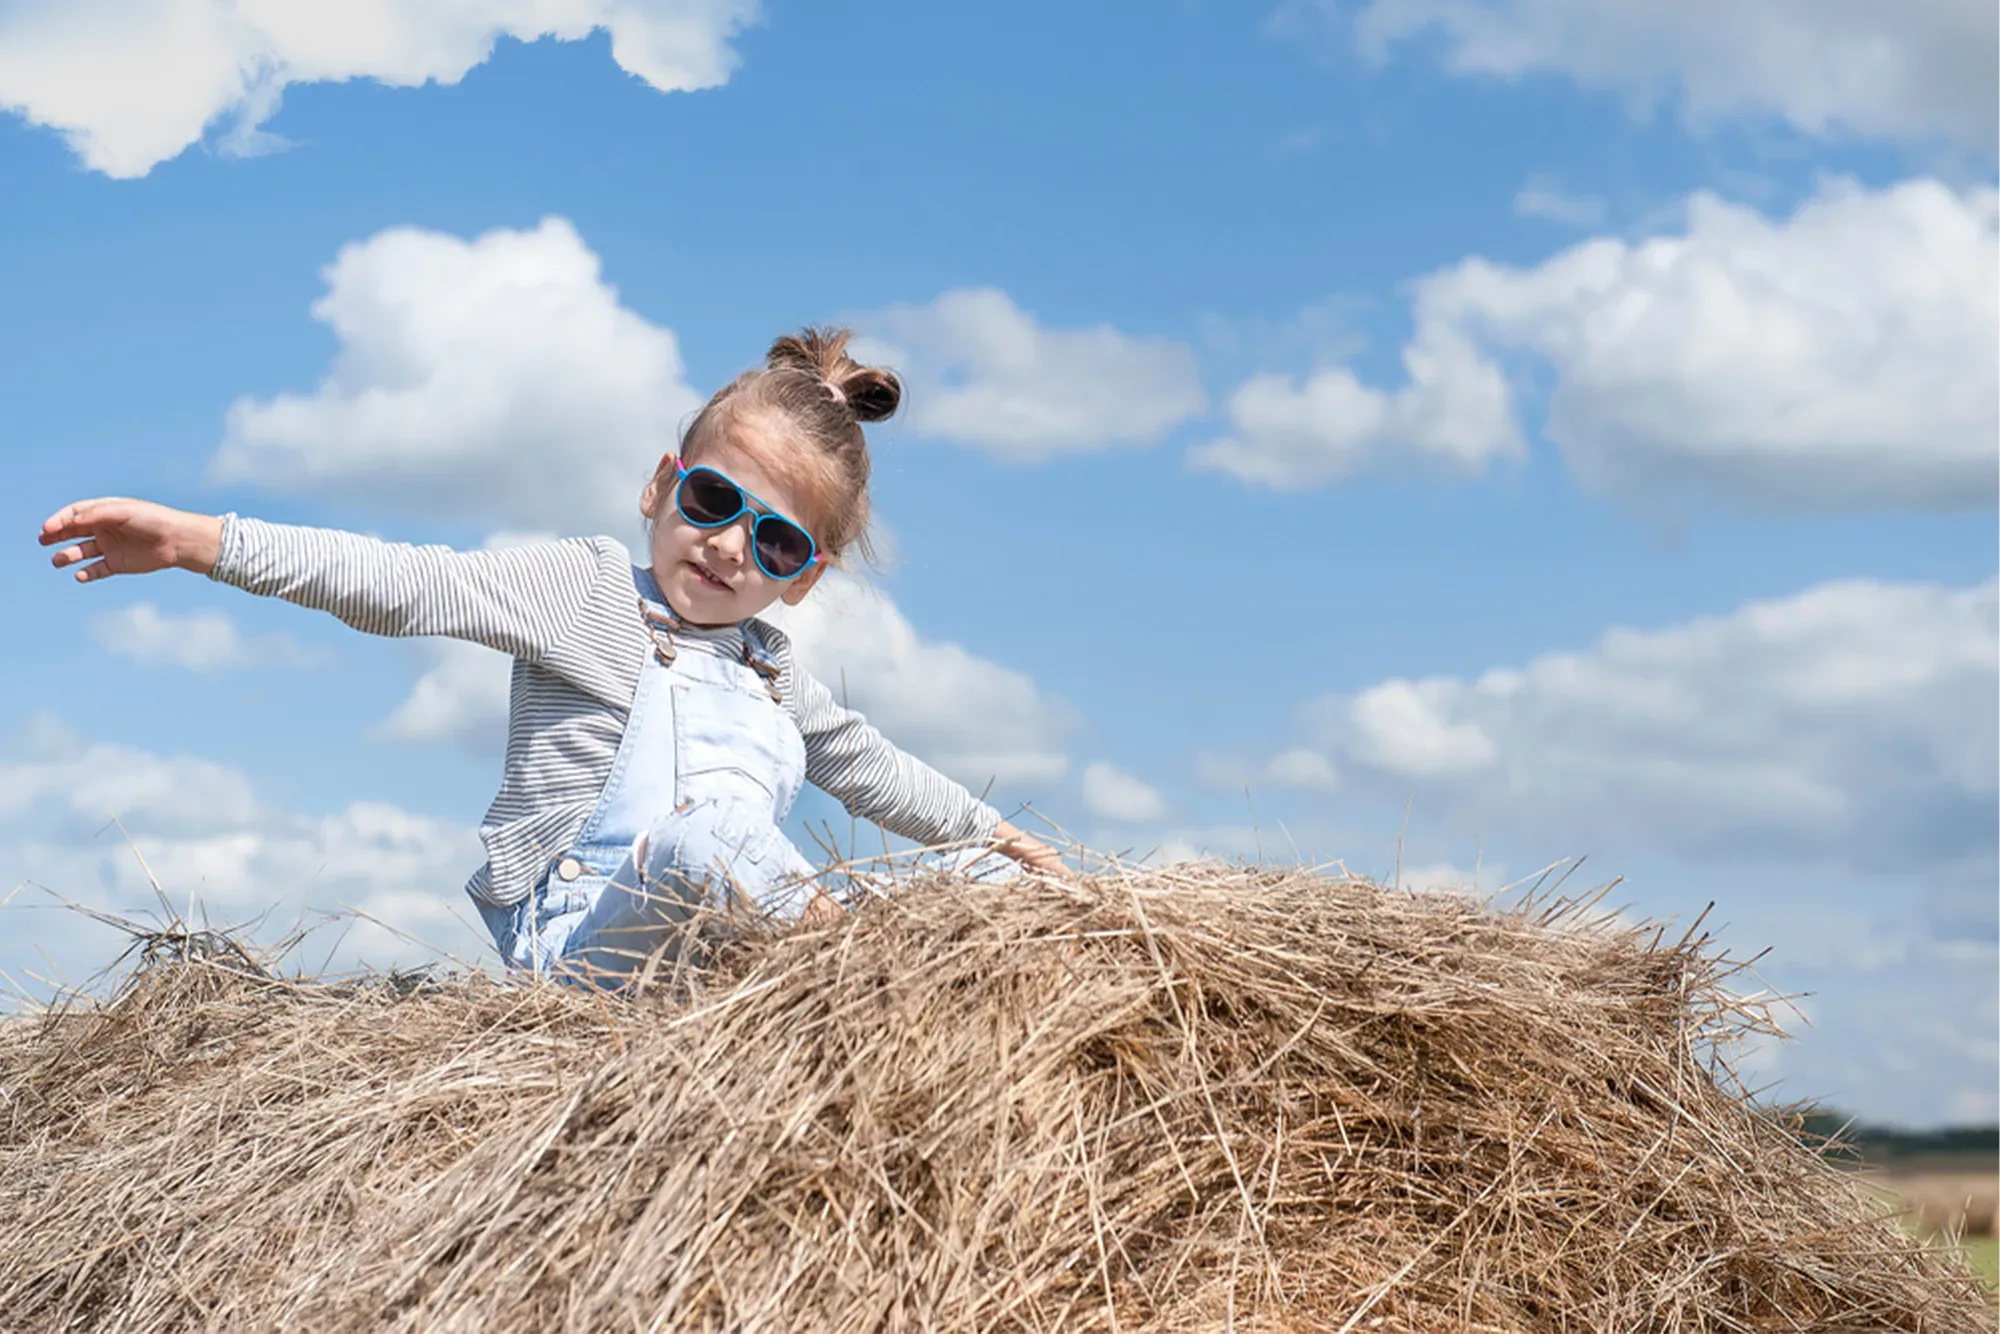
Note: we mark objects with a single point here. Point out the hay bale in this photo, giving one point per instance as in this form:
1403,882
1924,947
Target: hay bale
1175,1100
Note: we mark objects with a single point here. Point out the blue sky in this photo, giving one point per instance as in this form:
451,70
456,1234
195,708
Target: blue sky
1575,425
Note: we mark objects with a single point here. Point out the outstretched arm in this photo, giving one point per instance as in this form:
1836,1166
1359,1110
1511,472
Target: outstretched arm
520,600
876,780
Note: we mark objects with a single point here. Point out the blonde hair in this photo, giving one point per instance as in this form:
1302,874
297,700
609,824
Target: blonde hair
818,396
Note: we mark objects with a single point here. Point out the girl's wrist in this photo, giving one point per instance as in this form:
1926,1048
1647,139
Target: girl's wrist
198,546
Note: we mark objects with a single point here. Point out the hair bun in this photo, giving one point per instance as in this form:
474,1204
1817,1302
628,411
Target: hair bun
873,393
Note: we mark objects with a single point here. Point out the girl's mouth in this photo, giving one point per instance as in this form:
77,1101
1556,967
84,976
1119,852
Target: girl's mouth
702,573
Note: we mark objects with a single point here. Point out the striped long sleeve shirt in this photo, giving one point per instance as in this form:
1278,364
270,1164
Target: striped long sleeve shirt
566,613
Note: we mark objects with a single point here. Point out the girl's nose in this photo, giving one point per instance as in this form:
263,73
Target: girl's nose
732,540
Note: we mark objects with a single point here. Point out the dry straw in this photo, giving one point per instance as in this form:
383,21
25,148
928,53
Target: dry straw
1192,1099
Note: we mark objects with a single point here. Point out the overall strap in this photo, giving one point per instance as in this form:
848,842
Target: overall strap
757,652
662,622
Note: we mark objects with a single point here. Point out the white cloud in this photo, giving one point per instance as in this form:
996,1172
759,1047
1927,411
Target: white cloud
1454,416
1173,852
1854,723
52,777
970,717
208,837
982,372
132,83
1911,70
1301,768
1542,199
1845,358
461,700
1400,727
1972,1105
498,379
204,641
1116,795
1225,842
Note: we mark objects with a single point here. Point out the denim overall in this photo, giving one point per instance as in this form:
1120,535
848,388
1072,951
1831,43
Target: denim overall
687,826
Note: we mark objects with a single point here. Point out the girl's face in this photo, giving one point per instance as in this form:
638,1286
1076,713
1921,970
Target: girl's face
710,575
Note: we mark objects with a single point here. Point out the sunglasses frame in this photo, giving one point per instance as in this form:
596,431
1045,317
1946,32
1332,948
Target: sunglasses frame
752,504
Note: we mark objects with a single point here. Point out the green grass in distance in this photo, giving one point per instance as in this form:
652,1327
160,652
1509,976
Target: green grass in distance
1983,1254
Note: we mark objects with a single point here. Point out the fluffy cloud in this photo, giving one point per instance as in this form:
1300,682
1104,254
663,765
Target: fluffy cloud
461,700
1845,358
1173,852
53,780
497,379
1916,69
209,839
982,372
1454,416
1228,843
1301,768
1545,200
970,717
1852,724
204,641
1114,794
131,83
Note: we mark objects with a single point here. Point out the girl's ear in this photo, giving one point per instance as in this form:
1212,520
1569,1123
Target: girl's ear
795,592
649,499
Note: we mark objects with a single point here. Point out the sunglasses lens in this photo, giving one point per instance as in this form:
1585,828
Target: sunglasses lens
709,498
783,548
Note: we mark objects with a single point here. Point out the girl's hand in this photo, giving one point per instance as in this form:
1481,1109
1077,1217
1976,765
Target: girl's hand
120,536
1031,852
824,910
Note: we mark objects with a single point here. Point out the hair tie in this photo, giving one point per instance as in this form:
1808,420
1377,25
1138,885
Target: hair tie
834,389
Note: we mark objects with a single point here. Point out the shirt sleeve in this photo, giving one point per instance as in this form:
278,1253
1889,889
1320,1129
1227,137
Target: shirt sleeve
875,780
520,600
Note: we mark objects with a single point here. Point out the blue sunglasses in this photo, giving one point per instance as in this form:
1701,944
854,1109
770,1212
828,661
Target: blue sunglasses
709,499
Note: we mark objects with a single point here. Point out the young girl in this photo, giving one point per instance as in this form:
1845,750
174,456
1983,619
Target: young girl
657,732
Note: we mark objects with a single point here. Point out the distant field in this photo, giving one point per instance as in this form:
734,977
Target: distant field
1945,1200
1983,1253
1942,1200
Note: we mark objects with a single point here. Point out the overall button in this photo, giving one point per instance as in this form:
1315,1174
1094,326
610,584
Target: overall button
569,868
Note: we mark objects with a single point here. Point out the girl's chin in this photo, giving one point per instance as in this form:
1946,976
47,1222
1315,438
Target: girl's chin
702,603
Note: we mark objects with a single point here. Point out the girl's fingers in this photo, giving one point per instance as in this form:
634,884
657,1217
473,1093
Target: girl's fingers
86,550
98,570
62,525
73,521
